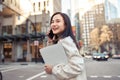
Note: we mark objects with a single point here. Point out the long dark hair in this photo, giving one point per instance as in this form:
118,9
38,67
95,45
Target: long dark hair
68,29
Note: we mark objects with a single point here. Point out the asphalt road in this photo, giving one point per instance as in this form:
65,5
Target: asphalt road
96,70
103,70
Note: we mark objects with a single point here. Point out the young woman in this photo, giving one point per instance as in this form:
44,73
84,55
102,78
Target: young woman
61,31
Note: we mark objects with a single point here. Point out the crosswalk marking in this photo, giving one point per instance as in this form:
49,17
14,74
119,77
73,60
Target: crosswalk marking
43,76
93,76
21,76
5,68
10,68
42,73
119,76
107,76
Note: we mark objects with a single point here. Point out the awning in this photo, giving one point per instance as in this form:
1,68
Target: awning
23,37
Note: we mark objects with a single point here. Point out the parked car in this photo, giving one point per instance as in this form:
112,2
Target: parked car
100,56
116,56
0,76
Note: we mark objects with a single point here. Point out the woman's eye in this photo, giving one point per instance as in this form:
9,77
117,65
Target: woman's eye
58,21
55,21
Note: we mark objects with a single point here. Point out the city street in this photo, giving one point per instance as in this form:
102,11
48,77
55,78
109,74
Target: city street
96,70
103,70
26,26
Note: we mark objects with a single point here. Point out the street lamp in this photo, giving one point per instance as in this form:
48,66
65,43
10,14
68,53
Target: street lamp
35,42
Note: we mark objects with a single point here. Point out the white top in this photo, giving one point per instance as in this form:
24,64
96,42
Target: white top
74,69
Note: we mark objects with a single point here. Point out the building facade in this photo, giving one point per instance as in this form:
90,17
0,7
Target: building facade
91,19
23,25
111,9
116,38
87,14
112,17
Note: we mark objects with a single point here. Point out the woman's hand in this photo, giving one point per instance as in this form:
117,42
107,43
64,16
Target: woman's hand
48,68
49,39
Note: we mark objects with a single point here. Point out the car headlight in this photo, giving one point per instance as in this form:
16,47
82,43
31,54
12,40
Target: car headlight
98,56
106,56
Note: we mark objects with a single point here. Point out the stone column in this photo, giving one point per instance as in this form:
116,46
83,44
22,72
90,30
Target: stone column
14,51
28,58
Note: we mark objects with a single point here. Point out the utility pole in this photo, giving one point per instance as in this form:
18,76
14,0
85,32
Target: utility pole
35,41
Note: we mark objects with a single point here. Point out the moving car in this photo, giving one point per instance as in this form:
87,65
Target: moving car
100,56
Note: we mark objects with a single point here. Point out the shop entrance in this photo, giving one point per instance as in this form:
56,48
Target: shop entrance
7,51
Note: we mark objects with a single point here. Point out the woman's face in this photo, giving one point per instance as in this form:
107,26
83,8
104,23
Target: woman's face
57,24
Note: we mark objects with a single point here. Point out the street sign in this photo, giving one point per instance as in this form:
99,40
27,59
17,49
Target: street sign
36,43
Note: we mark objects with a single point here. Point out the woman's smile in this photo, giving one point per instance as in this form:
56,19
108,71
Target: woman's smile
57,24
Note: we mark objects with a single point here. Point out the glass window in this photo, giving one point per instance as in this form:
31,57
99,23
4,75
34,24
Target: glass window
39,5
33,6
9,30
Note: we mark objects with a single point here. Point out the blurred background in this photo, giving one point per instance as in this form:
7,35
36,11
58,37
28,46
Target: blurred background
24,23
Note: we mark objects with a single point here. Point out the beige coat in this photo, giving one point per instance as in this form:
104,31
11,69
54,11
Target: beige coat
75,69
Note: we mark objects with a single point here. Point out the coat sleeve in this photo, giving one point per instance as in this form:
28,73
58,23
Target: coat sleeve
74,67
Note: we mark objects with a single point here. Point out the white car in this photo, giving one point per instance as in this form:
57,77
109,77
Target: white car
100,56
116,56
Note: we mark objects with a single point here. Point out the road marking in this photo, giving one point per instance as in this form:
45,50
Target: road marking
119,76
107,76
93,76
21,76
9,70
6,67
12,69
43,76
36,75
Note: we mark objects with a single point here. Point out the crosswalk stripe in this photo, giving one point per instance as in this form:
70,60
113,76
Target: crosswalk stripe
93,76
107,76
119,76
36,75
12,69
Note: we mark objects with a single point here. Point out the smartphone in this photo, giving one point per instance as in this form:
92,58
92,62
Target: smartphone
50,35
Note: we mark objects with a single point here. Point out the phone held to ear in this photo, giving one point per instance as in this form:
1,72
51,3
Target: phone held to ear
50,35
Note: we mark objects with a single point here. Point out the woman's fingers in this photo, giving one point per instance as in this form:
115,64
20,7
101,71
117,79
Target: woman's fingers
48,69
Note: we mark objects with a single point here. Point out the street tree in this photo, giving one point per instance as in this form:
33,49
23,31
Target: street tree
100,38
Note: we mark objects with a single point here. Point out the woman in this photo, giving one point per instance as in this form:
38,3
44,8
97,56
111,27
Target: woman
61,31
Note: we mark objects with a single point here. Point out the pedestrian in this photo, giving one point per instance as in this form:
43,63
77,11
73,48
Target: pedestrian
3,58
61,31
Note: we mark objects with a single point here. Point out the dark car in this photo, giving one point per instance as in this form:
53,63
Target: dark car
100,56
0,76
